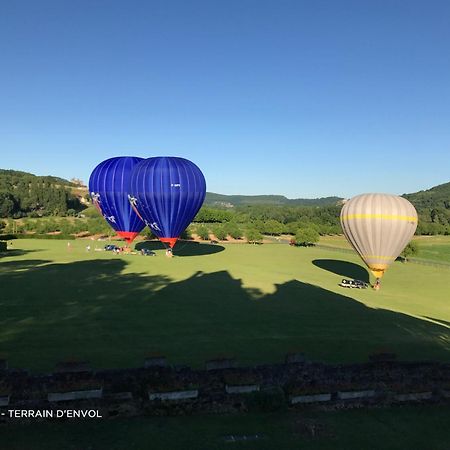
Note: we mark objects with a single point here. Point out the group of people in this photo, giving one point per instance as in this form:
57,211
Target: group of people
124,249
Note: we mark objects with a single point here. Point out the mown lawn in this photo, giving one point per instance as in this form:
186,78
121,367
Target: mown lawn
436,248
388,429
255,302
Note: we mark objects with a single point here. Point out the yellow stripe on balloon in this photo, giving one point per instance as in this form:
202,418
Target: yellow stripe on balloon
380,216
378,257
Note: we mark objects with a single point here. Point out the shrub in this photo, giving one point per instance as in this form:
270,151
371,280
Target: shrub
91,212
412,249
202,232
273,227
186,234
220,232
306,236
233,230
253,236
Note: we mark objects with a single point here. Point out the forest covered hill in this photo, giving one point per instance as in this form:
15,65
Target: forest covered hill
436,197
433,206
23,194
229,201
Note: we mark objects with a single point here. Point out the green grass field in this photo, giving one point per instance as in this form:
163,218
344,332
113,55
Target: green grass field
436,248
255,302
388,429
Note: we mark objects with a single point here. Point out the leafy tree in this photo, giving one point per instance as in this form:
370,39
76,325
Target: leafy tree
65,226
258,225
253,236
233,230
211,215
92,211
22,194
412,249
186,234
98,225
306,236
147,233
28,225
220,232
79,226
41,226
7,204
10,228
273,227
202,232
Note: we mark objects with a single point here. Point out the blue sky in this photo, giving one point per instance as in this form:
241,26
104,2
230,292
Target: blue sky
300,98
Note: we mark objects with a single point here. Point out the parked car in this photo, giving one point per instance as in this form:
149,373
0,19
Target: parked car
147,252
111,248
354,284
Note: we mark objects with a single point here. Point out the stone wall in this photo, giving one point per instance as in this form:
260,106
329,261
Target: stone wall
222,387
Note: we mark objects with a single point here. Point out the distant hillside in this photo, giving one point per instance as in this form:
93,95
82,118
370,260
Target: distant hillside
433,206
230,201
24,194
436,197
15,176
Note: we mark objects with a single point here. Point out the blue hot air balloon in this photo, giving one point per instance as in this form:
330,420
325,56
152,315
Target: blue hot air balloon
109,186
167,192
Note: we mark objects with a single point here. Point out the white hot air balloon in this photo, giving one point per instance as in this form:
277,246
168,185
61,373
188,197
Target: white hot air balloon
378,226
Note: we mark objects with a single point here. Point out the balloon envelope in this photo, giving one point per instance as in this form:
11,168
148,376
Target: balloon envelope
109,186
378,226
167,192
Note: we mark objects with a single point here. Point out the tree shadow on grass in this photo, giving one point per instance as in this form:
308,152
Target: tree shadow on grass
21,265
183,248
92,310
343,268
12,252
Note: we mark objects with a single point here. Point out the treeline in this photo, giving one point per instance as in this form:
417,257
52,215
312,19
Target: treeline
275,220
219,200
249,222
63,225
433,221
23,194
303,224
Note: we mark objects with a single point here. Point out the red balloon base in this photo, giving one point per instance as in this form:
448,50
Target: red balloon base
170,241
128,236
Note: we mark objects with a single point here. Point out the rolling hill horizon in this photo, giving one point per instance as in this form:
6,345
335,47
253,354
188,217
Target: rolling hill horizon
436,196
